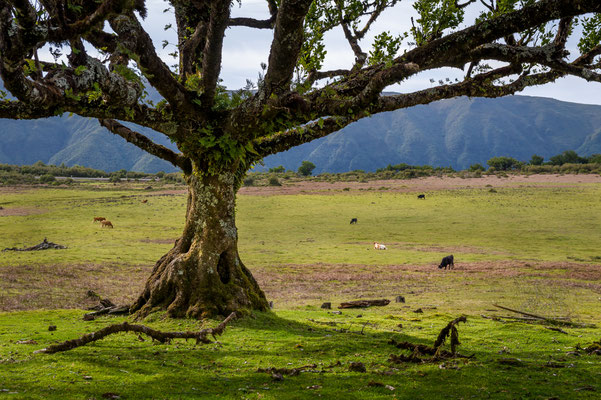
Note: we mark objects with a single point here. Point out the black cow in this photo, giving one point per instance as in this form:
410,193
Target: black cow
353,220
447,262
421,196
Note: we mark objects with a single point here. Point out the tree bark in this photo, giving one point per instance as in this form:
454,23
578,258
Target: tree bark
202,275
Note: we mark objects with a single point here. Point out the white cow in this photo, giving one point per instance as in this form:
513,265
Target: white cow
379,246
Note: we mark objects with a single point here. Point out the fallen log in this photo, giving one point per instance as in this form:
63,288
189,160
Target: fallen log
163,337
45,245
364,303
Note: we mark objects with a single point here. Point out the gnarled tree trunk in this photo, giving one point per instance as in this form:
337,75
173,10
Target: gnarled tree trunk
202,275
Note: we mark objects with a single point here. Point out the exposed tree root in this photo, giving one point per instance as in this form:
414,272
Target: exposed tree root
45,245
436,352
163,337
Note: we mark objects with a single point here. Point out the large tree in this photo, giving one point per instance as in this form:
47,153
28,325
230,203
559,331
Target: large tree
102,58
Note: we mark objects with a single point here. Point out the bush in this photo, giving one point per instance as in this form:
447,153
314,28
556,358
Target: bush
248,181
476,167
114,179
273,181
47,178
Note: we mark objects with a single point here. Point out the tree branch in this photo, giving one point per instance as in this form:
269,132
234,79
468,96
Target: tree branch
147,145
360,56
12,109
252,23
133,37
452,50
287,139
211,58
285,48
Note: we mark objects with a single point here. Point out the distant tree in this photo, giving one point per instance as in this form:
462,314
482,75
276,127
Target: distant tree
504,163
595,159
567,157
101,58
476,167
306,168
536,160
279,169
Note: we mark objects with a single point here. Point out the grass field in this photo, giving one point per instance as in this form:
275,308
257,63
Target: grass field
535,247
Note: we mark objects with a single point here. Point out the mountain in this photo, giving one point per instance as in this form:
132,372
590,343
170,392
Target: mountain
76,140
456,132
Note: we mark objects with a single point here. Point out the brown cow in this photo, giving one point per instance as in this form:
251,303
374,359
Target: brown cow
145,201
106,223
99,219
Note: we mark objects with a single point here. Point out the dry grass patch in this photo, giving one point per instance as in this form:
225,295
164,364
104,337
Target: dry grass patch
20,211
58,286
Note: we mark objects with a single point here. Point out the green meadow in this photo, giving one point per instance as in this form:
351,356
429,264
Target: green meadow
534,248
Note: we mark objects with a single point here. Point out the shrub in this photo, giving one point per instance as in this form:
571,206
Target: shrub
273,181
114,179
476,167
47,178
248,181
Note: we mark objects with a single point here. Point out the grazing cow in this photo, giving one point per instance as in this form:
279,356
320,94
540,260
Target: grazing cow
379,246
447,262
99,219
353,220
421,196
106,223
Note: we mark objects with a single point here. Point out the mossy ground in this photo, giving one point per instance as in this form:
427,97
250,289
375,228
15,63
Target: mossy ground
534,248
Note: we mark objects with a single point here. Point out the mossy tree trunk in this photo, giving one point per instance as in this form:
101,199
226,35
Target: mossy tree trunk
202,275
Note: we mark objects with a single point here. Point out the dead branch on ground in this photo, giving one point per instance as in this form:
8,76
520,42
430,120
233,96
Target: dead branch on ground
163,337
436,351
537,318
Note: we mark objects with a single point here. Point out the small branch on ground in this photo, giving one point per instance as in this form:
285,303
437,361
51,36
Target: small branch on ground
163,337
364,303
45,245
552,321
556,329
